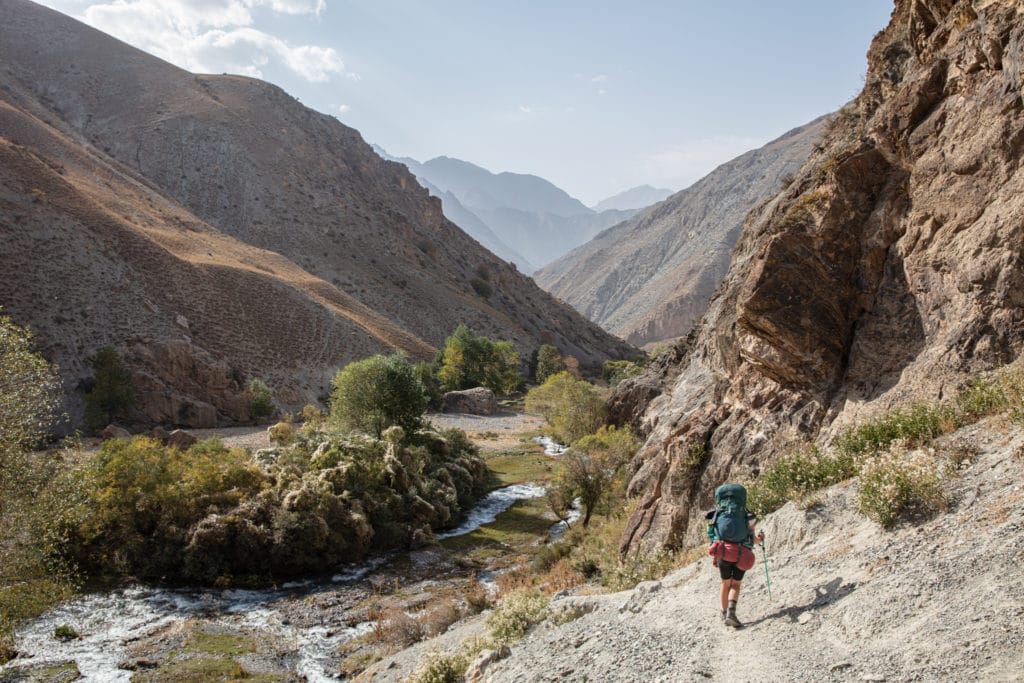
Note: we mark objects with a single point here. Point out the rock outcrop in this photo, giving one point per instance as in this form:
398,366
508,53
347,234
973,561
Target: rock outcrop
476,401
650,278
891,268
213,229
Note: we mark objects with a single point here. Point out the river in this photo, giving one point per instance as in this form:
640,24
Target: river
109,622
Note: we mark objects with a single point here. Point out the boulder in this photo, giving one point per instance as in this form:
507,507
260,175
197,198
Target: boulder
113,431
160,434
181,439
478,667
477,401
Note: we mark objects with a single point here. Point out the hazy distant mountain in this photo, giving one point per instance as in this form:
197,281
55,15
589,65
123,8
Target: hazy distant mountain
522,218
650,278
635,198
214,229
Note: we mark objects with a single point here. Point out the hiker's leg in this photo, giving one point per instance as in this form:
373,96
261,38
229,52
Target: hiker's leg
734,592
726,585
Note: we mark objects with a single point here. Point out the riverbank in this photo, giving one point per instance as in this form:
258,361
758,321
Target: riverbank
320,629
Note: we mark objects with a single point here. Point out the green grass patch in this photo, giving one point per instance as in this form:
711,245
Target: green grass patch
221,644
516,530
519,467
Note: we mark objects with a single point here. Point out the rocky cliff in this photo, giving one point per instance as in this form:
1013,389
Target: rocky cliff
891,268
650,278
214,229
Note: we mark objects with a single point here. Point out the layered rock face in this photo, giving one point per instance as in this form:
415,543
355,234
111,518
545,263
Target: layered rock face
890,269
213,229
650,278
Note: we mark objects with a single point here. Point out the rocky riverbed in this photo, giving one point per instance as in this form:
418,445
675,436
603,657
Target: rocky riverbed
303,630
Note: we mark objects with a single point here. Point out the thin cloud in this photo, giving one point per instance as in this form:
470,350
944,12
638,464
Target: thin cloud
526,110
344,108
215,35
600,78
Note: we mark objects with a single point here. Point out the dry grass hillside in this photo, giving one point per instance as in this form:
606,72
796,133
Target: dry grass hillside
215,229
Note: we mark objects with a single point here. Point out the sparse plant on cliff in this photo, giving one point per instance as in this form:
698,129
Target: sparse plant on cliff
112,394
917,423
375,393
796,475
519,611
898,483
261,400
440,667
574,407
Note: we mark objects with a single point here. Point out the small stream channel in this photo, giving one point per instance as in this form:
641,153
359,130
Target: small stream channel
110,622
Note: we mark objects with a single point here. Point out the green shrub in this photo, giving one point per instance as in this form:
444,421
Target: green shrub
591,465
440,667
375,393
548,362
65,632
468,361
481,287
426,373
515,615
642,566
282,433
917,423
795,475
29,390
31,580
900,484
112,394
574,407
261,400
614,371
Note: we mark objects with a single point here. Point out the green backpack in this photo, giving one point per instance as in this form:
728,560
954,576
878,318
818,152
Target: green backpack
729,518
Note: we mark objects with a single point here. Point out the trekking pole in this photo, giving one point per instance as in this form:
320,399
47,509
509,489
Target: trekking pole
764,556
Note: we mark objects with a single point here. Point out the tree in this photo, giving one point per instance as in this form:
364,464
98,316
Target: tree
29,390
468,360
549,362
573,407
112,394
375,393
592,464
261,400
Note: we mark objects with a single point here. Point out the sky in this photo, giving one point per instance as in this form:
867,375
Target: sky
595,96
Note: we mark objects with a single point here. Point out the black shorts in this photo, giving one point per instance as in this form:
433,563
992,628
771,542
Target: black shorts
729,570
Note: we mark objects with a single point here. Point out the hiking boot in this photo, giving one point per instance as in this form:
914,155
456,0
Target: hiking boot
731,619
723,615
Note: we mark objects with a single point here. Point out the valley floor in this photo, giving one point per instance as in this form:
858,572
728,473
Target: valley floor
939,601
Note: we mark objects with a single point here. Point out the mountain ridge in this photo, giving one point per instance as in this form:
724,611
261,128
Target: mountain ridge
254,236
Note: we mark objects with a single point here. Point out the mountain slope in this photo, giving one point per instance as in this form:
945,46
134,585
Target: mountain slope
633,198
650,278
524,215
891,269
215,229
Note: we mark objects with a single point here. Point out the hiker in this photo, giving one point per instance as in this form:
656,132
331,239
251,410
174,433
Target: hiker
732,537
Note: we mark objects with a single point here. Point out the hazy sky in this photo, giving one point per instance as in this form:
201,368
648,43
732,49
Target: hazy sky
595,96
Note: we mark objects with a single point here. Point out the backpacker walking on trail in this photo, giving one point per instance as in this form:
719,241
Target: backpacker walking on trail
731,534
